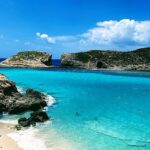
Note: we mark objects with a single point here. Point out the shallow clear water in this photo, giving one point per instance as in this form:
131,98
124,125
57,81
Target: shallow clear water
96,110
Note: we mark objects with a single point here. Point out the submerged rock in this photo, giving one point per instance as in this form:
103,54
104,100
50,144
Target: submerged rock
28,59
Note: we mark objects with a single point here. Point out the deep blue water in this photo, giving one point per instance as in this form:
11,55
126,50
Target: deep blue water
2,59
96,110
56,62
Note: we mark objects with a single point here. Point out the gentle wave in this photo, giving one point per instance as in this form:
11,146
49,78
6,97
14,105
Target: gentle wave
9,121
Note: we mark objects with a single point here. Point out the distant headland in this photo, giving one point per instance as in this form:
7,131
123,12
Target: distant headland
94,59
107,59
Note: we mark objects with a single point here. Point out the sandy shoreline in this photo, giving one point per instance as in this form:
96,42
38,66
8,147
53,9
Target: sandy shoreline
7,143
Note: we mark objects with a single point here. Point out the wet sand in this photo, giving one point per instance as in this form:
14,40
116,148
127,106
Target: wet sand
6,143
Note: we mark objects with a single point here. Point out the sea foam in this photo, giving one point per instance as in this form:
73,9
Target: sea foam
20,89
9,121
50,100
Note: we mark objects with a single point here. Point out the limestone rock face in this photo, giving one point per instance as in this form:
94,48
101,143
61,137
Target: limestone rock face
28,59
116,60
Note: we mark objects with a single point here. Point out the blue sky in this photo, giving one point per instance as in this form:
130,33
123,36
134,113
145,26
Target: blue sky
59,26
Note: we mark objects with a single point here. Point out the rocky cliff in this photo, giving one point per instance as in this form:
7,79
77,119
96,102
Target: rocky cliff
28,59
116,60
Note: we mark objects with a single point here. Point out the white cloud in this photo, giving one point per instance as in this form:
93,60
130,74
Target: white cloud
124,31
45,36
54,39
38,34
110,34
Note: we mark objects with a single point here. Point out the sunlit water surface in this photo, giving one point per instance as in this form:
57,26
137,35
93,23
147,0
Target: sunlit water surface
95,110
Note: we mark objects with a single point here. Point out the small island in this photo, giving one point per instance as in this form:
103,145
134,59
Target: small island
28,59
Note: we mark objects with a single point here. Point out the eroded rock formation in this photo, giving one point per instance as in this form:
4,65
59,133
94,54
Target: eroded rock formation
28,59
13,102
116,60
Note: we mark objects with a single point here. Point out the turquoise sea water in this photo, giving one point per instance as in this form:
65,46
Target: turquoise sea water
96,110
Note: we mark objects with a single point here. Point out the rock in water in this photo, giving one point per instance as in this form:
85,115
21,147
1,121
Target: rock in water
7,87
35,94
31,101
35,117
28,59
39,116
13,102
24,122
7,91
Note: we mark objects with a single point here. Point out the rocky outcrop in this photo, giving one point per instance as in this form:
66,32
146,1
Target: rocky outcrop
116,60
35,117
13,102
7,90
28,59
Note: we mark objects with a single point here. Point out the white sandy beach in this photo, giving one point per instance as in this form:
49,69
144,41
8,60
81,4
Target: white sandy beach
25,139
7,143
